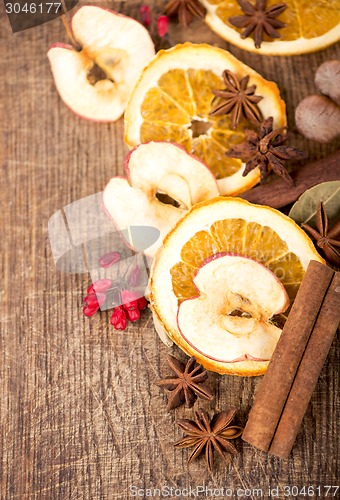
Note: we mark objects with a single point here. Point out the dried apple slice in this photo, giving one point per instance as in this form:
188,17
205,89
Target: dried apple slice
229,319
233,226
96,81
163,182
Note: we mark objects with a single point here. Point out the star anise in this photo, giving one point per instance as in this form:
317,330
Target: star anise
185,9
258,20
186,383
237,100
205,435
327,240
265,150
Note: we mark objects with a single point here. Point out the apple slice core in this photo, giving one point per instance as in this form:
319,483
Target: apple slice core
228,320
118,45
154,169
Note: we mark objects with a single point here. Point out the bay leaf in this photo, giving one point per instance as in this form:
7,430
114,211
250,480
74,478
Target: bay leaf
305,208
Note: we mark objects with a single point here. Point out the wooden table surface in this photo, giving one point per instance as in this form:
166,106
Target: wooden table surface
81,417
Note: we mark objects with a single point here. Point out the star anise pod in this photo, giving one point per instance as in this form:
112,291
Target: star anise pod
266,151
185,9
238,99
205,435
327,240
186,383
259,20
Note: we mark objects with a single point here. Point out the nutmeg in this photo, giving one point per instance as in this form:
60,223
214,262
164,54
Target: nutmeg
327,79
318,118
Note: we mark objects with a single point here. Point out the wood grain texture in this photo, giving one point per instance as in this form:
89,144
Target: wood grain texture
80,415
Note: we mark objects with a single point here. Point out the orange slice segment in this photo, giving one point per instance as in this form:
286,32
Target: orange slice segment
238,236
310,26
174,97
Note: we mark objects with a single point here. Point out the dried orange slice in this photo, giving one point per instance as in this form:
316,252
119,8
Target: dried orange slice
311,26
172,102
242,231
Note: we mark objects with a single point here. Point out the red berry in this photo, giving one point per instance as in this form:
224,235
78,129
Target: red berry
145,14
109,259
133,313
134,276
142,303
90,310
131,305
162,25
100,286
95,299
118,319
128,298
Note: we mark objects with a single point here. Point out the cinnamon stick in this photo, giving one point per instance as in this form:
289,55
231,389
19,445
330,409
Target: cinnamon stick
277,382
308,372
277,193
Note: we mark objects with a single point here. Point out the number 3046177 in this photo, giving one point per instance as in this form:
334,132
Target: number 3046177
33,8
311,491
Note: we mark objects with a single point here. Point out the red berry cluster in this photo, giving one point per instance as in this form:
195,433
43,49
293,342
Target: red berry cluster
157,26
96,296
103,290
130,310
109,259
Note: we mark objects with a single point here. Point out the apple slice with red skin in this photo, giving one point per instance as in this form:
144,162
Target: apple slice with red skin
115,45
229,319
163,182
